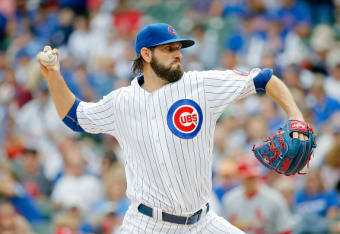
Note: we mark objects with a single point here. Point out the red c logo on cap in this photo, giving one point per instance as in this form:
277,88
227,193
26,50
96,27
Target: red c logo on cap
172,30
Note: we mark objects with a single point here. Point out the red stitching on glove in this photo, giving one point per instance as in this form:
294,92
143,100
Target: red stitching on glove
286,164
273,148
264,158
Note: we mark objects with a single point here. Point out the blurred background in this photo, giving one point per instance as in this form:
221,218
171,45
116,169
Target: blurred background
55,181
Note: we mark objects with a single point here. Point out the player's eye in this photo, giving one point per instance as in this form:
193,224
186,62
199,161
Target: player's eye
169,49
172,48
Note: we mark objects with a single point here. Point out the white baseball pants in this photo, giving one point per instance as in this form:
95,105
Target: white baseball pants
136,222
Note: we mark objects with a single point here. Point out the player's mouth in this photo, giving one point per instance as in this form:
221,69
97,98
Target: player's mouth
177,62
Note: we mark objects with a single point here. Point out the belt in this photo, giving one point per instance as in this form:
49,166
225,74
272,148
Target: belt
186,220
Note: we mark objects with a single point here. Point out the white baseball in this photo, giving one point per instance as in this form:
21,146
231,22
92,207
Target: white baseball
48,58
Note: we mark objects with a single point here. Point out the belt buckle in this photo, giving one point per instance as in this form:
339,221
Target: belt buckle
186,220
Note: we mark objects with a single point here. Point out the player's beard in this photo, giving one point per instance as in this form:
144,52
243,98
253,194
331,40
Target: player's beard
167,73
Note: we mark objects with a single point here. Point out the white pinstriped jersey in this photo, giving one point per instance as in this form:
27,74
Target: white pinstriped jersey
167,135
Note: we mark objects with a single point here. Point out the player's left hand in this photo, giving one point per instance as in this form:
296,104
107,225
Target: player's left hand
285,154
298,135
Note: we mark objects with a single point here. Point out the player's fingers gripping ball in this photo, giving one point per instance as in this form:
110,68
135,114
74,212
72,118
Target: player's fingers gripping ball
285,154
48,58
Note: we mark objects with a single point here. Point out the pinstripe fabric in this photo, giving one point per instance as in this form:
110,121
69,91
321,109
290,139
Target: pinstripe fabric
135,223
164,170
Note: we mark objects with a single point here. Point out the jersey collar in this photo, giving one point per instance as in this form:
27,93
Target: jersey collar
140,80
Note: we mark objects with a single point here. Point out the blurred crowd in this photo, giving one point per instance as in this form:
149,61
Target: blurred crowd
55,181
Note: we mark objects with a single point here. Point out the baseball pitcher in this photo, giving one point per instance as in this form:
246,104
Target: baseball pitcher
164,122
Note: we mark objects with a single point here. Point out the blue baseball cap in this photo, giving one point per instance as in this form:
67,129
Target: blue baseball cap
159,34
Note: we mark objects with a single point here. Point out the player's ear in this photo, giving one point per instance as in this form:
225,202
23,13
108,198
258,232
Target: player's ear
146,54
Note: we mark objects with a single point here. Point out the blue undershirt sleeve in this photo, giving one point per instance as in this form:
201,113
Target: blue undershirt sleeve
71,120
261,80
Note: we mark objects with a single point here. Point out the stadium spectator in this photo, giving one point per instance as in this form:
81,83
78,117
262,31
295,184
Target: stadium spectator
20,94
315,206
79,6
229,60
206,43
270,113
330,170
327,139
70,220
75,184
293,14
3,27
322,42
64,28
126,19
81,78
332,83
81,38
45,22
229,135
321,11
32,175
21,200
12,222
109,162
322,105
254,207
237,8
257,130
109,211
225,178
286,188
269,60
39,126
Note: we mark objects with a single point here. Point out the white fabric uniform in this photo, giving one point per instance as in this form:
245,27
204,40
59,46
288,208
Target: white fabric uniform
137,223
167,136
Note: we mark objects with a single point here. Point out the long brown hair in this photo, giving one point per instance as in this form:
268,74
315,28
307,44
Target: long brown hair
138,63
137,67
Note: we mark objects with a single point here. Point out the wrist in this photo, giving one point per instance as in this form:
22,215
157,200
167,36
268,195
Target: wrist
53,75
296,115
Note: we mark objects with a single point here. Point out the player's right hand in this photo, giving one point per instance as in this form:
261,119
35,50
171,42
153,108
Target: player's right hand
49,71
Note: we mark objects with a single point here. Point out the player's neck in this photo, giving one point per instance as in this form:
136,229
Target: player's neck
251,190
250,193
151,81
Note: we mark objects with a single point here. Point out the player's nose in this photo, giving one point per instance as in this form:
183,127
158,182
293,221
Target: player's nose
178,55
